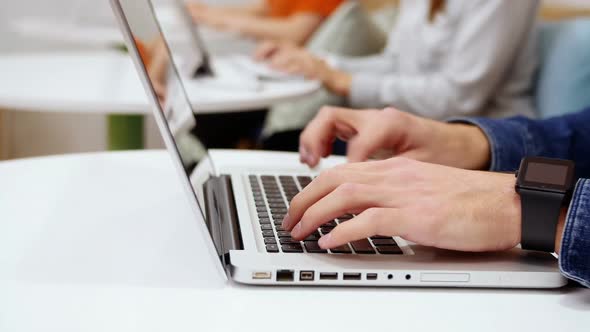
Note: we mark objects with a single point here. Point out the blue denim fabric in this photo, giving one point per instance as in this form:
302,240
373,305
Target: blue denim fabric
565,137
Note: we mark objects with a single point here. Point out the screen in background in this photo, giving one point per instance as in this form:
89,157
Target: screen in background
166,83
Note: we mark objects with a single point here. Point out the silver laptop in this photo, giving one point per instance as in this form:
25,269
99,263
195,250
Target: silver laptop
238,62
243,209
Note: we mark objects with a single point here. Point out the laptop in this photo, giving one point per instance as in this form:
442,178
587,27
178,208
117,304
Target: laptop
244,64
243,207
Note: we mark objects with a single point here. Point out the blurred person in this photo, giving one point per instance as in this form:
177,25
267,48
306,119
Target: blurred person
443,58
290,21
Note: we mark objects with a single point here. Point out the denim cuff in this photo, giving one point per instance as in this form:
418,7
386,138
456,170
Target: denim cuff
574,259
509,141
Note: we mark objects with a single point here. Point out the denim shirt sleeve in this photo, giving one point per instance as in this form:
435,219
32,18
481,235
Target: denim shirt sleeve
565,137
574,260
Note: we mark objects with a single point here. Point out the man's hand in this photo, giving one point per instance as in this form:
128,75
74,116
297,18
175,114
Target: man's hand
391,132
428,204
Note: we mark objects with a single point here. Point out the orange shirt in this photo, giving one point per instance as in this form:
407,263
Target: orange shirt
286,8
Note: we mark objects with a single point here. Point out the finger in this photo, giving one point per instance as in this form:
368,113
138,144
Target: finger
319,135
362,146
347,198
371,222
321,186
266,50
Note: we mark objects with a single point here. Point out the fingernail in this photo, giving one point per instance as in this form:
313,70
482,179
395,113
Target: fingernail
286,221
295,232
325,241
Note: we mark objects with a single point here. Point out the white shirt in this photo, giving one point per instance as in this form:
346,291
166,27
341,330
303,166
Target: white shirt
478,57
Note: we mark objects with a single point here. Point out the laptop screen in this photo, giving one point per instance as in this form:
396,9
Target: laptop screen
159,72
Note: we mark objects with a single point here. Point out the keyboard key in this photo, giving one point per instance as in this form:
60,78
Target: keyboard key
292,247
272,248
279,228
326,229
331,224
389,250
287,240
263,215
278,216
264,221
268,233
362,247
345,249
313,237
269,240
266,227
380,237
261,209
284,234
384,242
313,247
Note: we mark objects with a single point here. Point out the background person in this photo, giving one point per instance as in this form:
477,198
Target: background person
291,21
443,58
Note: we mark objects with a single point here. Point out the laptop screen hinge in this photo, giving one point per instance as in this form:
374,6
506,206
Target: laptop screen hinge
222,216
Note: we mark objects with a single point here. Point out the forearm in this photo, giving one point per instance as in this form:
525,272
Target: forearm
252,9
296,29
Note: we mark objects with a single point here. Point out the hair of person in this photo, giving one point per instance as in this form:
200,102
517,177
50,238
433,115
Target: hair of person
436,7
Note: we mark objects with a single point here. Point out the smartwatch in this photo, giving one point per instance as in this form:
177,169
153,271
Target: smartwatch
544,185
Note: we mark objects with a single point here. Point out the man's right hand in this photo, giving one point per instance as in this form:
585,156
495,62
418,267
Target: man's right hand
389,132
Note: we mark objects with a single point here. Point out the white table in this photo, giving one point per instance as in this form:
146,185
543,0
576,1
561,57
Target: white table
107,242
106,83
108,35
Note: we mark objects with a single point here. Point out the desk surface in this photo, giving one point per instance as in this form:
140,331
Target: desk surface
106,82
107,242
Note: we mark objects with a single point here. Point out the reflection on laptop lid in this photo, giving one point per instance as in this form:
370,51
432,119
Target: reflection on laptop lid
174,113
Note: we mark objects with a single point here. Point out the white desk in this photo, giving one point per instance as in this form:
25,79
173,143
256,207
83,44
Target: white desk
106,82
105,35
107,242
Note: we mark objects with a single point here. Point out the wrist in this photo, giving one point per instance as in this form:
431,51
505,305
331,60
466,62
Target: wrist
470,145
559,230
338,82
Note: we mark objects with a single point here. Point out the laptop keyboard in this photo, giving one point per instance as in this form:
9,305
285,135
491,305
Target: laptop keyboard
271,196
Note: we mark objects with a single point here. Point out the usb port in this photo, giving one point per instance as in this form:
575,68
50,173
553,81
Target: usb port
306,275
285,275
261,275
351,276
328,275
371,276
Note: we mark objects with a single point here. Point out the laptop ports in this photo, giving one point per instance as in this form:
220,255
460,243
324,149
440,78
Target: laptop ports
351,276
371,276
328,275
261,275
306,276
285,275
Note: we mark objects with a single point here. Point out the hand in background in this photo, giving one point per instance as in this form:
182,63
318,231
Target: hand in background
391,132
429,204
291,59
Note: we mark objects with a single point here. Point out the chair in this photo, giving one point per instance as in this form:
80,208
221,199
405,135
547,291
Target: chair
563,83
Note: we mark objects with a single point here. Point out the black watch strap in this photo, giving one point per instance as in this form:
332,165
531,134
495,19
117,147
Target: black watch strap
540,214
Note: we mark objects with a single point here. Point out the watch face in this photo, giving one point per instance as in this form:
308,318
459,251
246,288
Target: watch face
546,174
